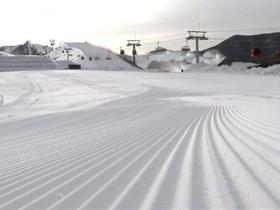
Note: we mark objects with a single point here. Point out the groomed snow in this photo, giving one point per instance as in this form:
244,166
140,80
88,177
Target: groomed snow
194,140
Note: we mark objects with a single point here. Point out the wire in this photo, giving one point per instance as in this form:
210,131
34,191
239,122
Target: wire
164,36
181,39
212,31
166,41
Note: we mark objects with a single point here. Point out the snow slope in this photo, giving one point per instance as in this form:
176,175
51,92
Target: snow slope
91,57
189,141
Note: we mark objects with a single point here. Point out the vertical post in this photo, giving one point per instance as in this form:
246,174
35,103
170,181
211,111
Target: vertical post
197,50
134,54
67,52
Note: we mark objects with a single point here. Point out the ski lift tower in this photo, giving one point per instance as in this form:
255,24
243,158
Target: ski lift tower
197,36
134,44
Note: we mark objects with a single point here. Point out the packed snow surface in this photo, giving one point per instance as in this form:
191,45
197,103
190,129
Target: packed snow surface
134,140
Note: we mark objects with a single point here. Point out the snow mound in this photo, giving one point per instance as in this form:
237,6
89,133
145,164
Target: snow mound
90,57
175,61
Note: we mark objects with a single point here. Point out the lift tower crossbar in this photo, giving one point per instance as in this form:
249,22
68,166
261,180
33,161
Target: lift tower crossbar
134,44
197,36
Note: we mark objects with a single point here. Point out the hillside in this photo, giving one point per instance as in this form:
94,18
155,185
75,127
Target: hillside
237,48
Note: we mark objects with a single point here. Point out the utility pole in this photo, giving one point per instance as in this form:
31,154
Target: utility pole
134,44
197,36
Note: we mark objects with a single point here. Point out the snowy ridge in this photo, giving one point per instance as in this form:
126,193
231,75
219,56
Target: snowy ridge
91,57
193,141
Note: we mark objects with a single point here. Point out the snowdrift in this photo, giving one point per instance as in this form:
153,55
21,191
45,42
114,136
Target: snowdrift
90,57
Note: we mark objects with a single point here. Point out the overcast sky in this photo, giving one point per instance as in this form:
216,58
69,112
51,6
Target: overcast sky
111,22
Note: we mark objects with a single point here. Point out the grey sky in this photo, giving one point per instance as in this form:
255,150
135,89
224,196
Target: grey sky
111,22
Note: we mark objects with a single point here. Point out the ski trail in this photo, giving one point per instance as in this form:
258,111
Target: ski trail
186,142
